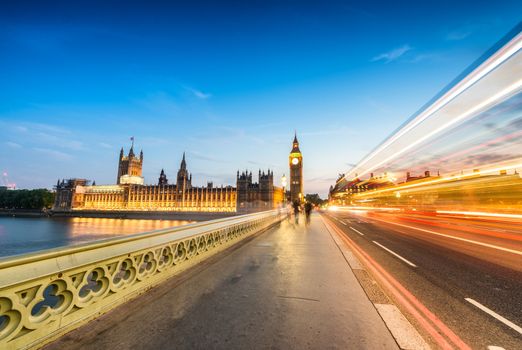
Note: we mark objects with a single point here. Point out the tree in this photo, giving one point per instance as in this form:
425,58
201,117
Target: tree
315,199
26,199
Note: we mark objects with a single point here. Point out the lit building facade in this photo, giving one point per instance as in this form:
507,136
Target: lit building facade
260,195
130,168
295,160
131,194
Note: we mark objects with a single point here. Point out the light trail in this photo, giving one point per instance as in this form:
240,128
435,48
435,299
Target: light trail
478,213
350,208
500,139
469,174
500,57
487,245
509,91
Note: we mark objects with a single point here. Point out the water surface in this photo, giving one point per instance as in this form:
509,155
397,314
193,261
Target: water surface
23,235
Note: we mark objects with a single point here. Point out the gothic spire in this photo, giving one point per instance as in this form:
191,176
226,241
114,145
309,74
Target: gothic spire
183,163
295,144
131,151
162,180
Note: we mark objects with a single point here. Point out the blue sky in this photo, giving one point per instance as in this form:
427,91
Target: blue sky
226,82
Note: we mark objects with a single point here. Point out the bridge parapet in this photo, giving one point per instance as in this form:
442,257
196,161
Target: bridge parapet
46,294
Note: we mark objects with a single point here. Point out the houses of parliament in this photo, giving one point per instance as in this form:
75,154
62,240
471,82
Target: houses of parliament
131,194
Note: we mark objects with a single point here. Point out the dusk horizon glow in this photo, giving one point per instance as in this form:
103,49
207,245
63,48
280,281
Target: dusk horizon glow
228,84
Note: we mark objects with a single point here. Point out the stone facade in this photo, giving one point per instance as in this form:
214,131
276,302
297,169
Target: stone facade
261,195
295,160
130,168
130,194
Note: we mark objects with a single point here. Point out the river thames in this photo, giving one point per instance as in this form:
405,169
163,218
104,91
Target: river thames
24,235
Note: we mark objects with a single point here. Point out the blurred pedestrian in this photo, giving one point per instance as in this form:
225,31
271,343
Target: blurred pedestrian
308,211
296,211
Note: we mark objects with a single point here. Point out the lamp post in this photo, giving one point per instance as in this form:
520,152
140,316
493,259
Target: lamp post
283,183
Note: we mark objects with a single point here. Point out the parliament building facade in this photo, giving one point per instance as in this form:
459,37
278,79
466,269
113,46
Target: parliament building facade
131,194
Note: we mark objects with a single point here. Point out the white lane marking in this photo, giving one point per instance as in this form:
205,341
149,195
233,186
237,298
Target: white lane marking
359,232
341,221
494,314
494,347
518,252
397,255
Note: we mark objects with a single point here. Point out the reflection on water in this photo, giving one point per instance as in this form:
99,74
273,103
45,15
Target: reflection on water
22,235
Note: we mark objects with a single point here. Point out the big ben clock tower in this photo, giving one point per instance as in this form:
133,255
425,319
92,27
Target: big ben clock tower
296,172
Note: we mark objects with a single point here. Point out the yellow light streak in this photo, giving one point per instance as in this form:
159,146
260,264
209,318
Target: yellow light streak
479,213
402,187
350,208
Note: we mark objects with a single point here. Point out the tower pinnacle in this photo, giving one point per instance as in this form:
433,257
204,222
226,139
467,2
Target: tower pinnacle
183,163
295,144
296,172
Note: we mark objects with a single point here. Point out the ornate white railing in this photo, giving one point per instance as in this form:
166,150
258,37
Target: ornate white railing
46,294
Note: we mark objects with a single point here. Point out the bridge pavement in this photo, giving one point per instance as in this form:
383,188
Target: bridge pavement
288,288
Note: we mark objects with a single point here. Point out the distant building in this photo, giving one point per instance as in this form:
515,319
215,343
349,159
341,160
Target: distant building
67,195
130,168
341,193
131,194
260,195
295,161
162,181
410,178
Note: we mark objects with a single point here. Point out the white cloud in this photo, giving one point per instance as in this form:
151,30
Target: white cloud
203,156
198,93
58,141
59,155
458,34
339,130
393,54
13,144
49,128
160,103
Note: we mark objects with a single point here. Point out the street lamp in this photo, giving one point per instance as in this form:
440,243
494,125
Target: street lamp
283,183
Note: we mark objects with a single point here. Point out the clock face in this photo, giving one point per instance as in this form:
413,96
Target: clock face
295,161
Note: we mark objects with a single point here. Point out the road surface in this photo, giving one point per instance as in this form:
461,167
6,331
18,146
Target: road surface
466,271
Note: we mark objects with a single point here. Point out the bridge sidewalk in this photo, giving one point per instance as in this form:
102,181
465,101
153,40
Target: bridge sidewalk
288,288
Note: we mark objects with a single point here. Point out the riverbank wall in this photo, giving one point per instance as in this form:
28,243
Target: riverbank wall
25,213
151,215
